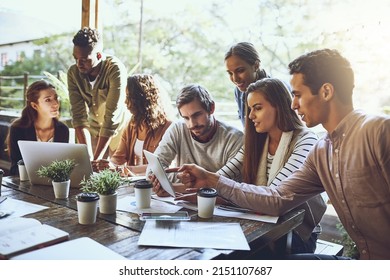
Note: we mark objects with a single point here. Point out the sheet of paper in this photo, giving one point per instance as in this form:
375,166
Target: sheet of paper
247,216
128,204
220,212
19,208
193,235
171,200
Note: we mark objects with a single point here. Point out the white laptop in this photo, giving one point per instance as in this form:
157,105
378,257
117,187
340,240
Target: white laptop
36,154
155,165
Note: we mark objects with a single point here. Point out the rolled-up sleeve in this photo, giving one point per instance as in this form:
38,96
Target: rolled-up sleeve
115,100
293,191
77,102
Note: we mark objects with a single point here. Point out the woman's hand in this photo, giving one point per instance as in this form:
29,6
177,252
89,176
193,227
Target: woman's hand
138,170
100,164
195,177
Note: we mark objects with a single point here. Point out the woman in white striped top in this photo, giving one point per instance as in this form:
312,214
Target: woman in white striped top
276,144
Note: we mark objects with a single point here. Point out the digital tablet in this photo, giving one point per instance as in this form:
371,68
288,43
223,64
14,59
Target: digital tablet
158,170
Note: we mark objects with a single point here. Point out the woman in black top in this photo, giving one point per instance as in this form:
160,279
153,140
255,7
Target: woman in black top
39,121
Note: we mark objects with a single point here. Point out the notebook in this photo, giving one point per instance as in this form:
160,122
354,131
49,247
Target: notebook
83,248
36,154
158,170
20,235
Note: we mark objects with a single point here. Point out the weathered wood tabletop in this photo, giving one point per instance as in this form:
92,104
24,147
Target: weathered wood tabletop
120,231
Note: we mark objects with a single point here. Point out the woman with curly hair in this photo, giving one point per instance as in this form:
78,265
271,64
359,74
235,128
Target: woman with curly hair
146,127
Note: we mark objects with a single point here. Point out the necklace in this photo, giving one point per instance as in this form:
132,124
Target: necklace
44,134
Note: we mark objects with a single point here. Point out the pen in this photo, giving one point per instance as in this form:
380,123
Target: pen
128,170
2,199
136,180
235,209
172,170
185,195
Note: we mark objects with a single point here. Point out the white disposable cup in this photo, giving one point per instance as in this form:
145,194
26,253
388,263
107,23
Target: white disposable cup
87,209
143,194
23,176
1,178
206,202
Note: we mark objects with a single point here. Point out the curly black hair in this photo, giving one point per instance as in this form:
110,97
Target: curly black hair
87,37
143,101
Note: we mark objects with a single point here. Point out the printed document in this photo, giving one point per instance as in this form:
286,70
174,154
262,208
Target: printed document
193,235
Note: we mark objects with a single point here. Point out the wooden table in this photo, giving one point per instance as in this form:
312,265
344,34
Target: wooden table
120,231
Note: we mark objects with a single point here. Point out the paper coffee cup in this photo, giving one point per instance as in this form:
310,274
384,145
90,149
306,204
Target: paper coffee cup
206,202
87,208
1,178
143,194
23,176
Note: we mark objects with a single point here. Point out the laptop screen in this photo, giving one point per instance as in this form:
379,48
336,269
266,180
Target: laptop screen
36,154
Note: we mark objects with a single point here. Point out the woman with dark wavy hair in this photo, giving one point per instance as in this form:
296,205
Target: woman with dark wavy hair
146,127
242,63
38,122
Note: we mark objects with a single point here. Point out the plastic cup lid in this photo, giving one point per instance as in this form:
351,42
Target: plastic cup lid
207,192
143,184
87,197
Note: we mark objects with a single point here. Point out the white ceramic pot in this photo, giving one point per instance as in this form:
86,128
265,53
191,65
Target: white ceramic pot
61,189
107,203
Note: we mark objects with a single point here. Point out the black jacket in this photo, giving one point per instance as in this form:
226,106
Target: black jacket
61,134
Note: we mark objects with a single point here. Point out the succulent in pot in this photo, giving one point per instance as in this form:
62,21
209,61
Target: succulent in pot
106,184
58,170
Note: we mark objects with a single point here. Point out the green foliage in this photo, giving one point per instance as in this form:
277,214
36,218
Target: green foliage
58,170
350,248
188,44
105,182
35,65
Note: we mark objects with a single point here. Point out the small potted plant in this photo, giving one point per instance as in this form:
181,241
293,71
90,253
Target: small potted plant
59,172
106,184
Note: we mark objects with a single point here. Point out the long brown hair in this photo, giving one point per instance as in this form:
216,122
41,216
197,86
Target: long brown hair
29,114
144,102
277,94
